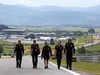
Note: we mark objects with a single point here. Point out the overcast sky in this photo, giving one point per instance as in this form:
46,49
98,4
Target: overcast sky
63,3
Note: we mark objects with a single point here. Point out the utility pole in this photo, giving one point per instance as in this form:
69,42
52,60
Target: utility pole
91,43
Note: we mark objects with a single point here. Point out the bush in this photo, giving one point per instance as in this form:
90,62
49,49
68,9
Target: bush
91,30
32,36
3,27
81,50
78,33
1,48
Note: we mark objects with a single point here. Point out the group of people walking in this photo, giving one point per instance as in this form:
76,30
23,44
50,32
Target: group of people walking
68,50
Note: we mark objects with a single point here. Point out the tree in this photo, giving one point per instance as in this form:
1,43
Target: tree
81,50
32,36
91,30
1,48
3,27
78,33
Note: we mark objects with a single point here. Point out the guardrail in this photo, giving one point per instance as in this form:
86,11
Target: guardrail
88,54
6,54
11,54
1,54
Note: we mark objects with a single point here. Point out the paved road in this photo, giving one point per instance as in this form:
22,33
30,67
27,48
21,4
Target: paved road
7,67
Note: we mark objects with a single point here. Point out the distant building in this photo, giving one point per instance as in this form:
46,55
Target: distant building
40,35
16,37
45,38
3,37
13,31
64,38
45,34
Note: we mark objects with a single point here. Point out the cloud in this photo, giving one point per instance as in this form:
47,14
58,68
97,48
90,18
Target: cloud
26,2
64,3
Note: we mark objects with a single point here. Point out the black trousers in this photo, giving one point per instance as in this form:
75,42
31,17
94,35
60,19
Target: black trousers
35,60
59,61
18,62
69,61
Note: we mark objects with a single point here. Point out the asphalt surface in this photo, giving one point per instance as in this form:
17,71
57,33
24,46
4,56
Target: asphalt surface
8,67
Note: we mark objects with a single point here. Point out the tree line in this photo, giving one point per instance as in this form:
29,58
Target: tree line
3,27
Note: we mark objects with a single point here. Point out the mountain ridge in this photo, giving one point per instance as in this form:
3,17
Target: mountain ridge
23,15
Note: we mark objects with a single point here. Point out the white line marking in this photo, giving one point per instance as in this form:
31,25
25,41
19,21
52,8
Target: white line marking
72,72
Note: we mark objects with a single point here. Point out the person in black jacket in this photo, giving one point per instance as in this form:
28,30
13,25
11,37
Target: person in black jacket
69,51
45,54
58,53
19,51
35,51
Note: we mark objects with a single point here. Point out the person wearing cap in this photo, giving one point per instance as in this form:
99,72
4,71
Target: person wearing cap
70,52
59,53
19,51
35,51
45,54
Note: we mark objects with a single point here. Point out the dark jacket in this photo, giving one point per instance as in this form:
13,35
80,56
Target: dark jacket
19,50
59,50
69,49
45,52
35,49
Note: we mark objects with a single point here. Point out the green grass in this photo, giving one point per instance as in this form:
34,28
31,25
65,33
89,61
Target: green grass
77,45
96,48
7,51
63,28
87,67
82,38
2,41
84,66
9,46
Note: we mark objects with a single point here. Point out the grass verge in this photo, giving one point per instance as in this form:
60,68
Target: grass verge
89,67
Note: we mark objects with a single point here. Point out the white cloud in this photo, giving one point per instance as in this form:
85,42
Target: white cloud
64,3
25,2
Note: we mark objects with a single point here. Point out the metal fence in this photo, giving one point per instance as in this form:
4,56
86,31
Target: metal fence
88,54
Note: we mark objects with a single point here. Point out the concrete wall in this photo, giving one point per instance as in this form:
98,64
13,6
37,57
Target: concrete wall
95,59
88,58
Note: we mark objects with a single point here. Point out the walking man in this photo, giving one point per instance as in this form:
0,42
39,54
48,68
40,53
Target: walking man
70,51
45,54
35,51
19,51
58,53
